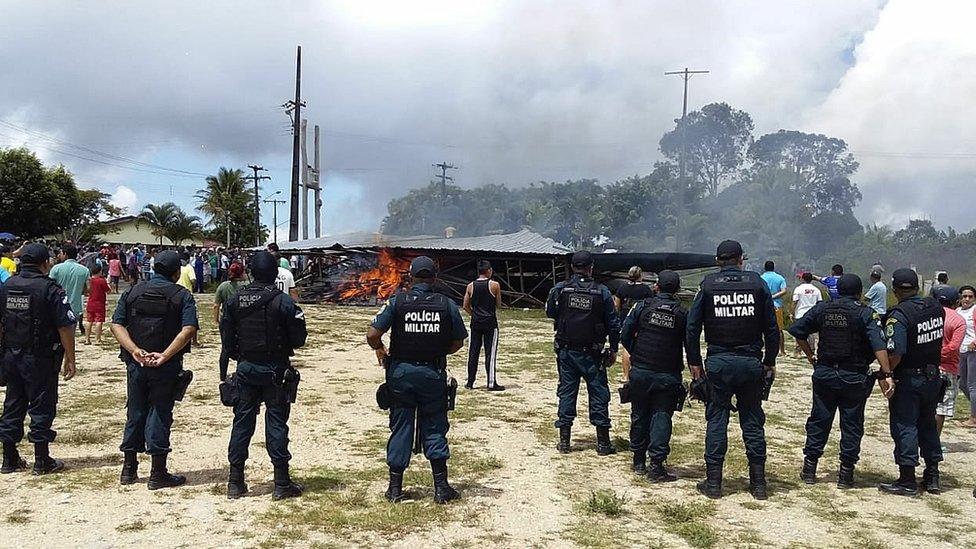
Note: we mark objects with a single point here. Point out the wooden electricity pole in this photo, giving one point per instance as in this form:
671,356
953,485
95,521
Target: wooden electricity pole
317,185
257,208
682,208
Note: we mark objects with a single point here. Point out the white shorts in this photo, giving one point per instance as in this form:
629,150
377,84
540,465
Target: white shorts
947,407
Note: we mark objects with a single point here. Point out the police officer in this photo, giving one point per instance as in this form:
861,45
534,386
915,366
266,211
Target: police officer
654,335
736,310
425,327
261,327
851,338
154,323
37,327
914,329
584,316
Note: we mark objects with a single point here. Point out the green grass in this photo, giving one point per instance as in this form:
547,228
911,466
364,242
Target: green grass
689,521
606,503
943,507
597,535
18,516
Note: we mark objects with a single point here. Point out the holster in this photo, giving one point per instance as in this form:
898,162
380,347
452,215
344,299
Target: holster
229,392
384,398
680,395
768,378
700,390
624,392
944,383
183,380
451,392
289,385
869,382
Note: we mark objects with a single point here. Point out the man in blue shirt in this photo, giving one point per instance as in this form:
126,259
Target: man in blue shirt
877,294
4,275
831,281
777,289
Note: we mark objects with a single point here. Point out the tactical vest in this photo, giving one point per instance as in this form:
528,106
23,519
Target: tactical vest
257,318
660,336
842,338
154,316
580,320
27,318
422,327
925,320
734,305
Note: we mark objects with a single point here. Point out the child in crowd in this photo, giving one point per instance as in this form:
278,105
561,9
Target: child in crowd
98,290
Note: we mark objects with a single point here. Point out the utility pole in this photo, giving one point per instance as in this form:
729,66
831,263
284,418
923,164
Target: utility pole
295,109
304,180
444,166
682,207
317,185
275,221
257,207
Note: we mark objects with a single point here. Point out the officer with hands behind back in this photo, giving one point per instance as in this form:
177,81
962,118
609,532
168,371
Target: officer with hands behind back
851,338
261,327
654,335
425,327
154,323
914,328
736,310
584,316
36,337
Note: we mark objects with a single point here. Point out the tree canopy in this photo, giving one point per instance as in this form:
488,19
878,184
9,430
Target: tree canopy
26,185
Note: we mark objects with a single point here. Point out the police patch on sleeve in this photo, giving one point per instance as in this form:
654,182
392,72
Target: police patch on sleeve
890,327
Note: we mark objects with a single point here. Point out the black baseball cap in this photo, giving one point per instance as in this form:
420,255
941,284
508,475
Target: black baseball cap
582,258
850,285
947,295
728,249
35,254
167,263
423,267
904,278
668,281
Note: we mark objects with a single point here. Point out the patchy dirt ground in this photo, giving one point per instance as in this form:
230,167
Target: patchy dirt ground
517,491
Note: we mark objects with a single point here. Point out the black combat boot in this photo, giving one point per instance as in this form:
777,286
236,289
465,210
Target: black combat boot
906,485
603,445
930,478
658,473
394,492
809,472
159,477
757,480
12,462
712,485
443,492
236,487
284,487
640,462
130,468
43,462
565,436
845,475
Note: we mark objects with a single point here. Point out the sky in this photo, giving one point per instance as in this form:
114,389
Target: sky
143,99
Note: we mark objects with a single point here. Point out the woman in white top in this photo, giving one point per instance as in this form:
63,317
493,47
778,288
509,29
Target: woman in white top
967,353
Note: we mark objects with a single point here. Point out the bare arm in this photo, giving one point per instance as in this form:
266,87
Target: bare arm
804,346
467,297
497,290
374,338
216,313
67,336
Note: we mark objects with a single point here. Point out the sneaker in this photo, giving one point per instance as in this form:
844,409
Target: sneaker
496,387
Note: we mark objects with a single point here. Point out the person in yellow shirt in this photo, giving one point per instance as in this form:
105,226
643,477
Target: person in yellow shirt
187,279
7,259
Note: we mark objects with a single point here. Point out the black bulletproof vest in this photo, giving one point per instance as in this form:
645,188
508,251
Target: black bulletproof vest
580,320
842,337
154,316
483,304
422,327
257,318
733,305
660,335
925,329
27,319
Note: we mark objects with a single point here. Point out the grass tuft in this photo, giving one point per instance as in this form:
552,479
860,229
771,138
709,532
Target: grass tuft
605,502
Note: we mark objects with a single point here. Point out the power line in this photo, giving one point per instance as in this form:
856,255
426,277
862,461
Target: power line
257,208
444,166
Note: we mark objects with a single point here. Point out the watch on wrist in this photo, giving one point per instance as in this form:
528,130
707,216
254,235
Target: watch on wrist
883,374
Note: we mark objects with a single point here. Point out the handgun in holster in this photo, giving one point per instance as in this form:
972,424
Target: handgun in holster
680,395
768,380
624,392
451,392
289,384
229,391
183,380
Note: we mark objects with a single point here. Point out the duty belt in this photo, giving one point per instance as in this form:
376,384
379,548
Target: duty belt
595,348
858,368
928,371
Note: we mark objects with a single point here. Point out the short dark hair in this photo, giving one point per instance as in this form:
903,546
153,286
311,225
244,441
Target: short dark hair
965,287
837,269
769,266
483,266
728,262
96,269
807,277
273,247
875,275
70,251
943,278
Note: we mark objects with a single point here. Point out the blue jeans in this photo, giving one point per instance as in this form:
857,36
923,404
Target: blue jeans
419,394
149,407
652,401
912,419
573,366
32,388
741,377
835,389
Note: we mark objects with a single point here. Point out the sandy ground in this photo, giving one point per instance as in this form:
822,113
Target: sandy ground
517,490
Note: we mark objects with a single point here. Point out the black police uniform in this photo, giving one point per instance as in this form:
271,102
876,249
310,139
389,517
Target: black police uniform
915,328
584,317
33,308
261,327
850,333
736,310
654,335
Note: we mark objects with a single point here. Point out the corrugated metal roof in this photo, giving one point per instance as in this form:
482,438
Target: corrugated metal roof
522,242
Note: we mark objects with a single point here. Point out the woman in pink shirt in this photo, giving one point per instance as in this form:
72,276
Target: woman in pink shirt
115,271
954,330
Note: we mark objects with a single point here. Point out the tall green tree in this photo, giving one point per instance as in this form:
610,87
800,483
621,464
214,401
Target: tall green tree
183,227
95,208
161,216
35,200
225,200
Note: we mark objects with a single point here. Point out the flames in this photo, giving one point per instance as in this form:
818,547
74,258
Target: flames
381,281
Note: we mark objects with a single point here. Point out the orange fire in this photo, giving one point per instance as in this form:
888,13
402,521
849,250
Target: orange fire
381,281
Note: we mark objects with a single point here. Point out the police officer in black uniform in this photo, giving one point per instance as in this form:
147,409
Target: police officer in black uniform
37,336
584,317
736,310
425,326
260,328
154,324
654,335
914,329
851,338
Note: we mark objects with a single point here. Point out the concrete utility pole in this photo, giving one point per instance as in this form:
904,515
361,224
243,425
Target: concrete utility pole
317,185
275,222
444,166
681,206
304,180
257,207
296,108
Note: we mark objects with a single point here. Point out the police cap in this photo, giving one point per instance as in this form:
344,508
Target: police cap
728,249
264,267
904,278
423,267
582,258
850,285
35,254
167,263
668,281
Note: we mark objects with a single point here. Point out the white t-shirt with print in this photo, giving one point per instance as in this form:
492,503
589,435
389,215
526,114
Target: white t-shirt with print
805,296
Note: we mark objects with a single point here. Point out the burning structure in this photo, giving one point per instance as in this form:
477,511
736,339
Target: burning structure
367,268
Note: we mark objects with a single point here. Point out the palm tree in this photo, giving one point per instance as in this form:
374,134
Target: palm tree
225,194
183,227
159,215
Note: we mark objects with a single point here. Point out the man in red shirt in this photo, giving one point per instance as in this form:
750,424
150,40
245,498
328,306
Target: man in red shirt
954,331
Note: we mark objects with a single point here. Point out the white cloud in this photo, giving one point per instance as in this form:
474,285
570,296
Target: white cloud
125,198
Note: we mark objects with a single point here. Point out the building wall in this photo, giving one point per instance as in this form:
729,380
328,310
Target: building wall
129,232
